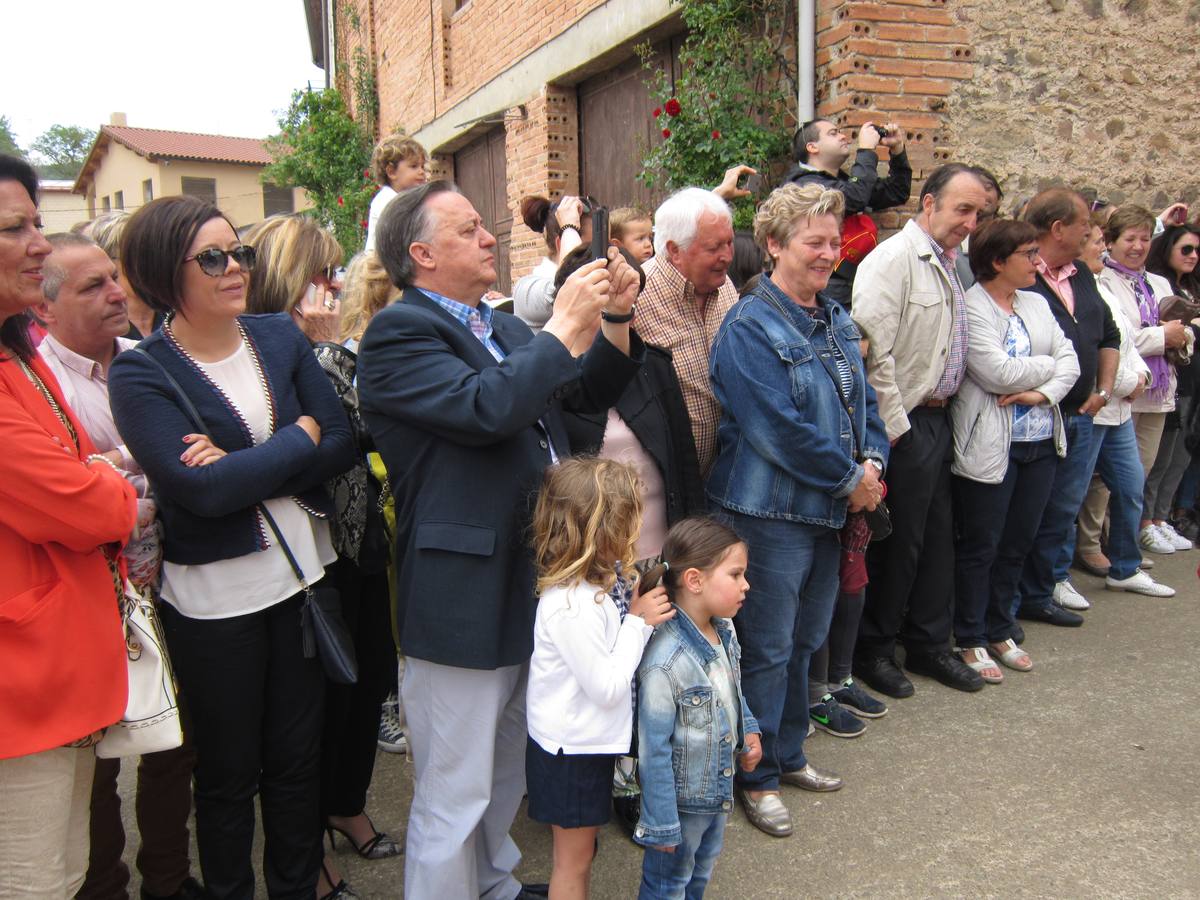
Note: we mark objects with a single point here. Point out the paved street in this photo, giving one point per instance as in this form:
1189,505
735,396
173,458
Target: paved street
1078,779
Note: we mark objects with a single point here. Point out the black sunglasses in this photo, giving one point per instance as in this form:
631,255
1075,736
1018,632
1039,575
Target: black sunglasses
1187,249
214,261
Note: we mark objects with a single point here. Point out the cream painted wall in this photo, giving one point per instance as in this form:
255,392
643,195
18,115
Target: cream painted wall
239,190
60,209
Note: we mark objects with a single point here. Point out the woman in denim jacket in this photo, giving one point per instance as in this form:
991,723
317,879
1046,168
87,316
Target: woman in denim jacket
799,446
689,685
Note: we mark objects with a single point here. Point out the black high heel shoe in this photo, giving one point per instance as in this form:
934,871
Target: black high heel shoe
340,890
381,846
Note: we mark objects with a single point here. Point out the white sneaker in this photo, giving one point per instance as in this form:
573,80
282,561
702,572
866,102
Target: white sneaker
1151,540
1139,583
1067,597
1173,537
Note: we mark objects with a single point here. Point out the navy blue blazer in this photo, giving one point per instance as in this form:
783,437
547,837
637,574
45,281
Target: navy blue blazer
210,512
465,455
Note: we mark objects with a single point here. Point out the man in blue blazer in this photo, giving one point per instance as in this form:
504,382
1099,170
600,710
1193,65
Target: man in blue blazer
465,405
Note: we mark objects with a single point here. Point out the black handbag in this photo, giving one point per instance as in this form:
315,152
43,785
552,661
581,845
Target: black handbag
879,519
322,627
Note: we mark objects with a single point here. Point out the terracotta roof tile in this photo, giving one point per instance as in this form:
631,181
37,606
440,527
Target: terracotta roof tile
185,145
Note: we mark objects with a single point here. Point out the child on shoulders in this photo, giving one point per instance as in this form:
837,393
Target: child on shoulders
692,717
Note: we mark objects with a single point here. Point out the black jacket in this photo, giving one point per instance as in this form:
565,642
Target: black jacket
1090,330
864,191
652,406
460,436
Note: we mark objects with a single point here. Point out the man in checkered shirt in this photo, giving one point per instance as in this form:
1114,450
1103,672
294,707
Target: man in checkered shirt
686,297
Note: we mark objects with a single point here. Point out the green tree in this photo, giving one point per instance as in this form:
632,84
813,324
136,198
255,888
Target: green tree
8,141
323,150
61,150
731,103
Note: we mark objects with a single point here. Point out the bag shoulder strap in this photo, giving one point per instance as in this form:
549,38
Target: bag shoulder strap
198,422
188,407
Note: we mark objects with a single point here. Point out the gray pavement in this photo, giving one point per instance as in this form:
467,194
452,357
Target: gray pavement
1078,779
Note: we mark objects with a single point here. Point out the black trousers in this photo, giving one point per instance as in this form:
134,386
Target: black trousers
352,711
910,597
163,804
256,708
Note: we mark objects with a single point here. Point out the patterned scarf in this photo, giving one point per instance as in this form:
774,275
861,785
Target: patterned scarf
1160,369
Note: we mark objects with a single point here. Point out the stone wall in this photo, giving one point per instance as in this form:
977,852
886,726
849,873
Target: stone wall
1082,92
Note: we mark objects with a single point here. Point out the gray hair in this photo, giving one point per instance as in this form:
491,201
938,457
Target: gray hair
53,274
677,219
106,230
406,221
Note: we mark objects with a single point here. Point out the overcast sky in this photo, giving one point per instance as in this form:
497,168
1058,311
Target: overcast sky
214,67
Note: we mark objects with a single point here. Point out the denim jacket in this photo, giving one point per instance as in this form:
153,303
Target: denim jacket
785,446
687,741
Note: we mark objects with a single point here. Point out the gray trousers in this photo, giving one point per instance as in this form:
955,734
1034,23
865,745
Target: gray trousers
466,734
1170,463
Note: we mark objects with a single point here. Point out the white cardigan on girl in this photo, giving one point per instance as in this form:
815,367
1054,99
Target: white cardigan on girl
580,698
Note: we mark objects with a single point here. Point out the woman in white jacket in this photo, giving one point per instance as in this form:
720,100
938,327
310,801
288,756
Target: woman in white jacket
1118,468
1008,434
1139,292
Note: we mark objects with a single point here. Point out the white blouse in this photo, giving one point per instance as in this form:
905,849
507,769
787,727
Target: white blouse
247,584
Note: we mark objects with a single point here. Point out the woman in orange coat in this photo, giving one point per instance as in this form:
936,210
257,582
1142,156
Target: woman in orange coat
64,514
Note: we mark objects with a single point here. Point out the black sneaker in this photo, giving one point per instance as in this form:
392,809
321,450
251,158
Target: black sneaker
830,717
858,701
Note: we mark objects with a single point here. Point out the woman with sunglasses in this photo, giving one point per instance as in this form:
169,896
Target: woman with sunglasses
270,433
1139,294
295,270
1008,436
1174,255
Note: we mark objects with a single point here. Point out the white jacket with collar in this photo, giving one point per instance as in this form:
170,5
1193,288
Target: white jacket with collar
580,693
1150,340
903,302
982,428
1131,370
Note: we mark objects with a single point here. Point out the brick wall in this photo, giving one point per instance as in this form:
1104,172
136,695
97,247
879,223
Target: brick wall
894,61
542,153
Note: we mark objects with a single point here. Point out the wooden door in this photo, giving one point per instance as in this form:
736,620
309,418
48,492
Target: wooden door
482,175
617,128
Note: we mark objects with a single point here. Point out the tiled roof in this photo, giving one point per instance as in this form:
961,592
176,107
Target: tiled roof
185,145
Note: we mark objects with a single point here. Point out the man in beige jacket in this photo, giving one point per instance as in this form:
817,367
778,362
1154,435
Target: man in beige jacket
908,301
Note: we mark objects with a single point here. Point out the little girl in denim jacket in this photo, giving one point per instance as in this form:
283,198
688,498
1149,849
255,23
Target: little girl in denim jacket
588,637
692,717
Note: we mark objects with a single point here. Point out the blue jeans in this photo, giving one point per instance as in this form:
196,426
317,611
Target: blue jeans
1072,476
1188,486
1115,459
684,874
996,528
793,575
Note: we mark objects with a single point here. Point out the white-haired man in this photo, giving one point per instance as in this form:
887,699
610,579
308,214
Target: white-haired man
687,294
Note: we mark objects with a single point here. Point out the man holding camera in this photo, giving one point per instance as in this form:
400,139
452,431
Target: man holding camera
820,149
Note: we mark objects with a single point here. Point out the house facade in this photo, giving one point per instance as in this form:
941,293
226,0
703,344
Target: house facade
128,167
548,96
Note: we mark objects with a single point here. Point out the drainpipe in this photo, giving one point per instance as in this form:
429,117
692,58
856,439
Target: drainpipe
806,43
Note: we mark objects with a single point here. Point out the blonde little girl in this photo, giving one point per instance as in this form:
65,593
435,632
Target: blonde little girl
589,632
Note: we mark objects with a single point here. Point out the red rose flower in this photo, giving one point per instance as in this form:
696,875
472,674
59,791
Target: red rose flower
341,202
363,223
672,107
366,173
666,132
657,111
716,135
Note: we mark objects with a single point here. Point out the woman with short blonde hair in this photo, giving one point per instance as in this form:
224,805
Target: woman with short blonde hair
296,273
367,289
800,451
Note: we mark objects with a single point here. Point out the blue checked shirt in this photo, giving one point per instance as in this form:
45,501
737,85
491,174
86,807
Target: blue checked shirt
478,320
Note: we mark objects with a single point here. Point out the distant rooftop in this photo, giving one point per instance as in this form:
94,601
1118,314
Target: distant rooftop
155,143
